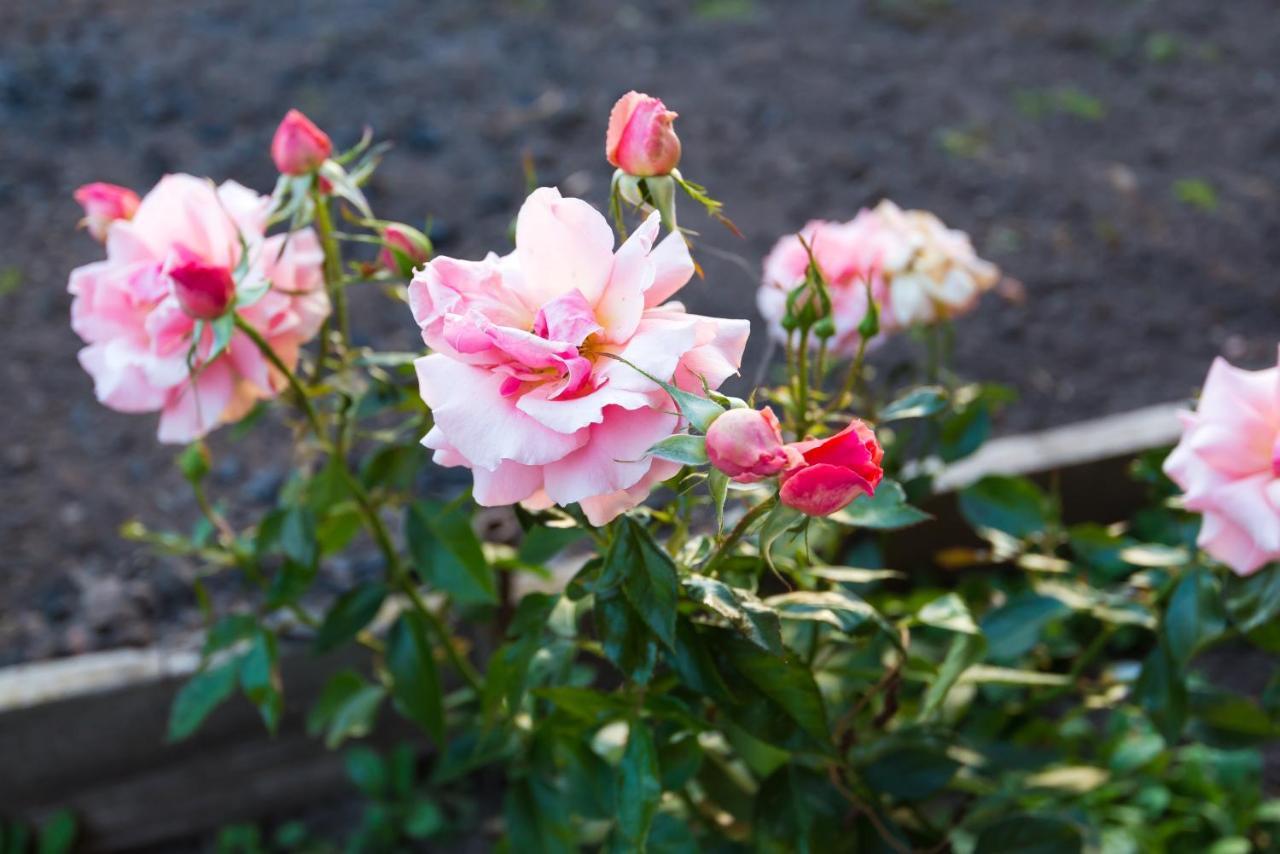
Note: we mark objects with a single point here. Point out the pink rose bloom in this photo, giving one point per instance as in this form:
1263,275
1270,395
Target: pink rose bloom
747,445
848,255
835,471
139,337
932,272
299,146
104,204
1228,465
641,139
521,384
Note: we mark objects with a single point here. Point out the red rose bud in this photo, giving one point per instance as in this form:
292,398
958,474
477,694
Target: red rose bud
833,471
747,445
299,147
204,291
104,204
641,140
411,248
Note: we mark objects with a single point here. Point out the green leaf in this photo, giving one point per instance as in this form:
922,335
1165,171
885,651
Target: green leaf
965,650
1253,601
351,613
1013,505
298,536
367,770
1161,690
778,522
648,575
260,678
684,449
203,693
887,510
786,683
1195,616
639,787
911,772
541,543
625,639
948,612
743,610
423,818
223,328
854,575
843,610
718,484
354,717
416,689
58,833
965,431
535,818
1015,627
447,553
917,403
1029,834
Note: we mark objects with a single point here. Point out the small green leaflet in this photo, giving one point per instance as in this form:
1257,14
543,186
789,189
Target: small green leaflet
684,449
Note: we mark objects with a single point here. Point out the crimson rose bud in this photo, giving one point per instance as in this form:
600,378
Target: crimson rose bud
104,204
833,471
747,445
641,140
299,147
204,291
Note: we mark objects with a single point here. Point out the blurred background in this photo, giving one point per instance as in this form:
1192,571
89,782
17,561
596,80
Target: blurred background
1119,158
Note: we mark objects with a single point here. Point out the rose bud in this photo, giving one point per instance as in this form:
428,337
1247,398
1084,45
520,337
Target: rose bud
104,204
404,248
204,291
299,147
641,140
747,445
834,471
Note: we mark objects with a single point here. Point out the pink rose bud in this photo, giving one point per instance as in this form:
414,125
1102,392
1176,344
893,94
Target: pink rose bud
204,291
834,471
411,246
747,445
641,140
104,204
299,147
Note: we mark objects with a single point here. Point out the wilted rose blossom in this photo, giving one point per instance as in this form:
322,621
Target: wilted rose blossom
138,335
747,445
104,204
931,271
521,385
1228,465
413,244
299,146
834,471
848,258
641,139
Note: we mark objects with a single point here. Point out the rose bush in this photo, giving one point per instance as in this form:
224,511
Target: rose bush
694,629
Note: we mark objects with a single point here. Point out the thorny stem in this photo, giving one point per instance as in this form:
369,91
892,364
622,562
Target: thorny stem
332,265
738,532
853,380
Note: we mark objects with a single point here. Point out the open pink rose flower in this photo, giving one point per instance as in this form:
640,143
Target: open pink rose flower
848,257
1228,465
834,471
139,333
521,383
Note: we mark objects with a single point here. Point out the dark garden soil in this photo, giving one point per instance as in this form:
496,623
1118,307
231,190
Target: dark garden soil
1118,158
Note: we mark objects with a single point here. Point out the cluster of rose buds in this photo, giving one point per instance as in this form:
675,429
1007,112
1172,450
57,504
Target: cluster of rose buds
817,476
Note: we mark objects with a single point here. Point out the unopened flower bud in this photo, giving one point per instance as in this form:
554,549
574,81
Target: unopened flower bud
641,140
204,291
104,204
404,247
747,445
299,147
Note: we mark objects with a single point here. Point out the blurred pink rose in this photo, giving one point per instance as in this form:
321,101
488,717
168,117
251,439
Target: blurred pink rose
138,334
848,255
413,244
521,384
299,146
1228,465
104,204
835,471
641,140
204,291
747,445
